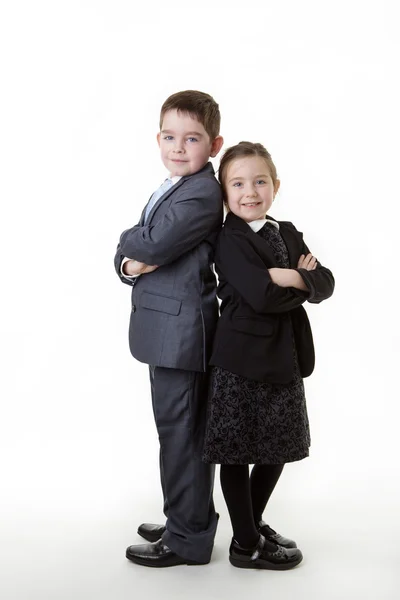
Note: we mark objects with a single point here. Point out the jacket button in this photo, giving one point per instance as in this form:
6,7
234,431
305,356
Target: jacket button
133,308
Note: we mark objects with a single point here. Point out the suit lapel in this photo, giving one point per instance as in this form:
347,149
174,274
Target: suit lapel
160,200
233,222
207,167
292,243
141,221
288,234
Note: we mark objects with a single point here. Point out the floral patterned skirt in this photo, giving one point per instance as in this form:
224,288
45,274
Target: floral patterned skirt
250,422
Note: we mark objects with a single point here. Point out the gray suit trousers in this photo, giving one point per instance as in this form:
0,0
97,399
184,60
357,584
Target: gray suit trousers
179,403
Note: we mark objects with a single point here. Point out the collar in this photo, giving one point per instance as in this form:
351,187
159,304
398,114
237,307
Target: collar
259,224
234,222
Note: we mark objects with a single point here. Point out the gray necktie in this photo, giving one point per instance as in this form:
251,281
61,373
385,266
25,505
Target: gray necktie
157,194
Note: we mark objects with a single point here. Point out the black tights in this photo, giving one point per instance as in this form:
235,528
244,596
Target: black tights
246,498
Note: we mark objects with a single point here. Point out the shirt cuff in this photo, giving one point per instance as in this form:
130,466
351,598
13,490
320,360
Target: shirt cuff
124,274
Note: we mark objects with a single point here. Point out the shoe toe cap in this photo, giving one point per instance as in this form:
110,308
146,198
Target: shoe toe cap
294,555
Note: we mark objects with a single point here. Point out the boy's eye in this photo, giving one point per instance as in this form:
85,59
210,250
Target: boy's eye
192,139
168,137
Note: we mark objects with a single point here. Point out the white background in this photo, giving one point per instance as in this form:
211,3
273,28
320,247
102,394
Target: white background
82,84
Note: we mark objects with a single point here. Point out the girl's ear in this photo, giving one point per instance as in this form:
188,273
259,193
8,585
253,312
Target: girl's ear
276,187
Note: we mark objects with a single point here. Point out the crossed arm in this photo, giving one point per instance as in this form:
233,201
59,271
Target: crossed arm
291,277
133,268
190,219
272,290
282,277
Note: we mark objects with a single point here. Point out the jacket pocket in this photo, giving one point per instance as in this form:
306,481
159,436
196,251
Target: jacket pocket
163,304
253,326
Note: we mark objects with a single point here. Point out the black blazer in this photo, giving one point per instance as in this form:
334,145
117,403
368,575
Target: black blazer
254,332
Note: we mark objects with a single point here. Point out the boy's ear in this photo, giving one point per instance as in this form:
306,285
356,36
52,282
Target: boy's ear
216,146
276,187
158,138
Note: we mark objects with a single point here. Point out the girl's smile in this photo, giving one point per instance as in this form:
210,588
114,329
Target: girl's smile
249,188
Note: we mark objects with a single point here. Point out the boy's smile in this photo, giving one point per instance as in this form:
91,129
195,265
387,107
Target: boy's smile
249,188
184,143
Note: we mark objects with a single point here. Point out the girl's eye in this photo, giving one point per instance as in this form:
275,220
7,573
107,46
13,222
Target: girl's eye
237,184
192,139
260,181
168,137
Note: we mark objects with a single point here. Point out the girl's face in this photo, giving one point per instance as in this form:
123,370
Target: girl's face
249,188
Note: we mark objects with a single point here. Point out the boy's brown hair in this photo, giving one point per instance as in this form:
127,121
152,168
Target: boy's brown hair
199,106
241,150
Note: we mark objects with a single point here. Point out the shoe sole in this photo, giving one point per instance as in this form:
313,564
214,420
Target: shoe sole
144,563
264,565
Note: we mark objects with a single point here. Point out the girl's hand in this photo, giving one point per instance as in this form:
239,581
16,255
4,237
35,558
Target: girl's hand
287,278
134,267
282,277
308,262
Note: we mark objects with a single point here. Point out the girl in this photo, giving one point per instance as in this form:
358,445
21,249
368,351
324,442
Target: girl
262,349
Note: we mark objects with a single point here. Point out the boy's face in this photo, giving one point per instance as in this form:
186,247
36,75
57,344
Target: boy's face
184,143
249,188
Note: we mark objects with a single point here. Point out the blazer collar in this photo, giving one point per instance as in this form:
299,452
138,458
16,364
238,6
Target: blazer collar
234,222
288,234
208,168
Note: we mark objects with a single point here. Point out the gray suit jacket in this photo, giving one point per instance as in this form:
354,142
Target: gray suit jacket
174,308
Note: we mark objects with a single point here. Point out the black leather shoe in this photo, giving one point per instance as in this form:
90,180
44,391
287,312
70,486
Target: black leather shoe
151,532
259,558
157,555
276,538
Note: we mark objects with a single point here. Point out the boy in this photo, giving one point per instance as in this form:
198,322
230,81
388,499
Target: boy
167,258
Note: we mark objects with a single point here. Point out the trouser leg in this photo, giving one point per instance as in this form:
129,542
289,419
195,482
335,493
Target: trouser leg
179,403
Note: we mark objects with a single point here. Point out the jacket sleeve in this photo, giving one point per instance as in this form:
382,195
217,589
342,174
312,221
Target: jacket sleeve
320,281
118,258
238,264
188,221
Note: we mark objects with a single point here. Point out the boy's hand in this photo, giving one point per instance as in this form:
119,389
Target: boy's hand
134,267
308,262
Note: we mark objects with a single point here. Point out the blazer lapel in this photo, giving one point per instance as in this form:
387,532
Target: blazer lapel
161,199
287,233
141,221
207,167
292,243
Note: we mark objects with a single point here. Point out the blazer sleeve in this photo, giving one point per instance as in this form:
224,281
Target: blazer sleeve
118,258
189,220
320,282
238,264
